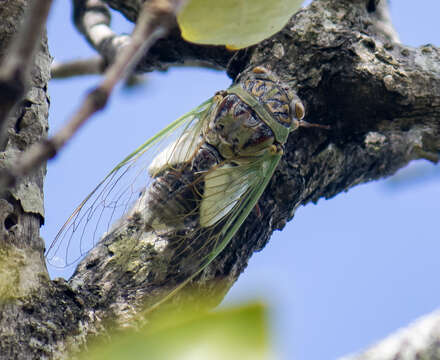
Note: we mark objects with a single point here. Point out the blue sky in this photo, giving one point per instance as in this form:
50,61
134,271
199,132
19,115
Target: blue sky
340,276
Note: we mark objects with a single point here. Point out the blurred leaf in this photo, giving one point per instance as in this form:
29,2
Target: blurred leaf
234,334
235,23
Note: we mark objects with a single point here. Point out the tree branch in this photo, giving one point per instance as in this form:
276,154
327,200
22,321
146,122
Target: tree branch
15,67
92,18
382,100
153,23
23,274
93,21
77,67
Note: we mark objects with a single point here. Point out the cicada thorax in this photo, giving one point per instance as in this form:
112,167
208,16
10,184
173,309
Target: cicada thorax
273,97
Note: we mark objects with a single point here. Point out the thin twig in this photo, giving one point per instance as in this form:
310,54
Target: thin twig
67,69
155,19
19,57
92,66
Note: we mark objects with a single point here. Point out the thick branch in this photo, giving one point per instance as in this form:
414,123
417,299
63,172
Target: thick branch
15,67
382,102
23,274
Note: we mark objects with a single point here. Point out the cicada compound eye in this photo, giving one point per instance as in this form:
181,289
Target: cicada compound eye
299,110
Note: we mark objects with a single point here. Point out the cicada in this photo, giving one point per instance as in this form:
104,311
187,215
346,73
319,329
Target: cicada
198,190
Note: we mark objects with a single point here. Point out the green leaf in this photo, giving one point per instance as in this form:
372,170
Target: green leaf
234,334
234,23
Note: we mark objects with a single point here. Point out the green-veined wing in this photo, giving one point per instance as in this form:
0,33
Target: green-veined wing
118,191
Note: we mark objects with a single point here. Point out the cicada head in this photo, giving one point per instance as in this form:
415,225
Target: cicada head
258,111
277,100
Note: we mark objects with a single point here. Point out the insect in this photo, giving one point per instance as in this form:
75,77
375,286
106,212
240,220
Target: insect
196,192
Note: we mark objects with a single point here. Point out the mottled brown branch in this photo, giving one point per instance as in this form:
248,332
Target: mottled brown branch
14,69
92,18
154,21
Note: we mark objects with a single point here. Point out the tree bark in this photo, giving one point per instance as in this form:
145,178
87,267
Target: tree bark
381,99
24,280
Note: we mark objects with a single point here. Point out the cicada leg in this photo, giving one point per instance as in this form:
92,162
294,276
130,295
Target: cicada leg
306,124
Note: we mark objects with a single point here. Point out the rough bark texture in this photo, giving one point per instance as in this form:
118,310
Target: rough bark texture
420,340
23,276
382,100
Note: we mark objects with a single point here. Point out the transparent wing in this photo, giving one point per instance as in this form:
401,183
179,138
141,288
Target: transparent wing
120,189
230,193
243,187
224,187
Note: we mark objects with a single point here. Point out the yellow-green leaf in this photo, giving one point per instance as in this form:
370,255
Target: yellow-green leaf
234,334
234,23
